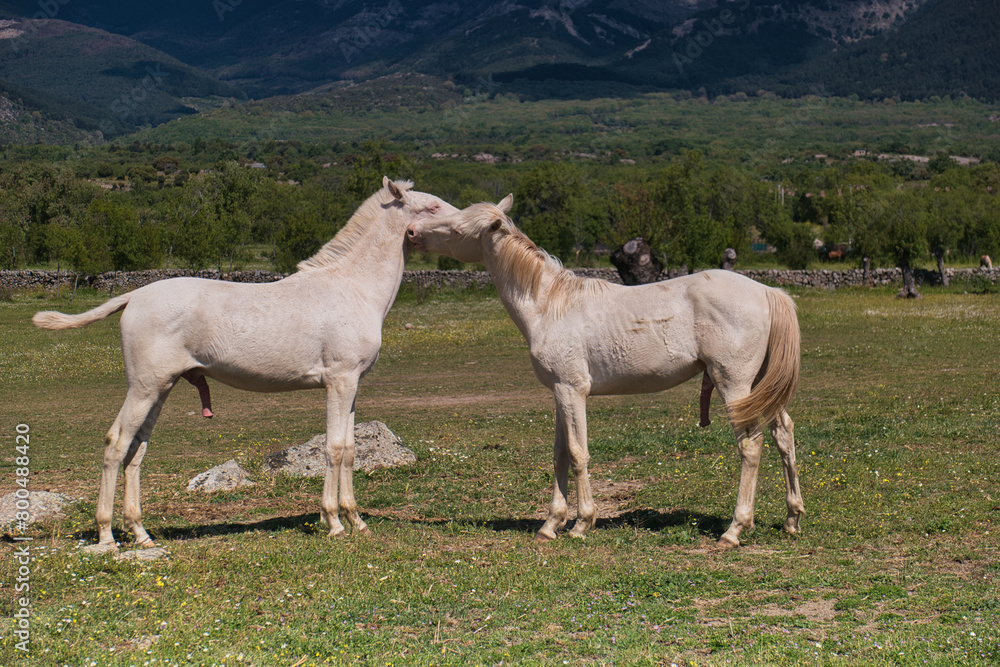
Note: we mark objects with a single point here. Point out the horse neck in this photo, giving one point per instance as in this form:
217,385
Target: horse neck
523,292
376,261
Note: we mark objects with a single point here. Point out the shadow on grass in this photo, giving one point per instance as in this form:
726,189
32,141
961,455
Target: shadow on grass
640,519
303,523
308,524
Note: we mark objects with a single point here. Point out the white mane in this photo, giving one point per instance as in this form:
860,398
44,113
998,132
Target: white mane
351,234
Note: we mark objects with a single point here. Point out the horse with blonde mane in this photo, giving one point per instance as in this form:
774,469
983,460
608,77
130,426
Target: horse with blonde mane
320,327
591,337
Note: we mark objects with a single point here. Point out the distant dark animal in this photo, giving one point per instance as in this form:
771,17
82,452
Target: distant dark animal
728,262
985,262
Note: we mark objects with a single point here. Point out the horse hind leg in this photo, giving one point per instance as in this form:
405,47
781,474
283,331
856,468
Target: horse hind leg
119,440
750,442
132,464
783,432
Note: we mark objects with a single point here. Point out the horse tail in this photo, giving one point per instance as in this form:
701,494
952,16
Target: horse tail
55,321
773,391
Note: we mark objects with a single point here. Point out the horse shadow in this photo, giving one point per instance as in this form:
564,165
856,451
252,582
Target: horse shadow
303,523
654,521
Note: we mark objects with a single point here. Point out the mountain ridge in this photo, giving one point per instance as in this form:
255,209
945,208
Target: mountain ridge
171,56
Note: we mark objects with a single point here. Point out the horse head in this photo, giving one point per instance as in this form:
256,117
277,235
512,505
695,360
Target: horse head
461,234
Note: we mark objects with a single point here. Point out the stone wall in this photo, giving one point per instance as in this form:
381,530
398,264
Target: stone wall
117,282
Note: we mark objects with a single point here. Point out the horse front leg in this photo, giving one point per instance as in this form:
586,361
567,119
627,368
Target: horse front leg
558,510
348,505
783,431
750,443
339,408
571,404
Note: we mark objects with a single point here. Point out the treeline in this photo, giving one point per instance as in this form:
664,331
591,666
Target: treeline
215,205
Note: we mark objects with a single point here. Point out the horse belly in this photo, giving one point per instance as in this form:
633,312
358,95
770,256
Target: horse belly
266,378
647,357
643,380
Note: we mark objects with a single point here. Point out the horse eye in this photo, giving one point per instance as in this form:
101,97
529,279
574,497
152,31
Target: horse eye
434,209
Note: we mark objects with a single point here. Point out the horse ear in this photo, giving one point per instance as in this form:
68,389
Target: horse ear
506,203
496,224
393,188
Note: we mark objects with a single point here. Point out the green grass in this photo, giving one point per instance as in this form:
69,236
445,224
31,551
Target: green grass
896,424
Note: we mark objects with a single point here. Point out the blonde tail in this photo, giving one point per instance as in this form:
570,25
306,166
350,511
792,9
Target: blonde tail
774,391
50,319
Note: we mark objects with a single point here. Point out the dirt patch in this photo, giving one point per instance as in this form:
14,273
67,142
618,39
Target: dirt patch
613,499
814,610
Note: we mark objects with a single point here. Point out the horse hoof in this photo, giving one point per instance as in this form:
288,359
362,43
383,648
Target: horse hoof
342,535
364,531
727,543
544,537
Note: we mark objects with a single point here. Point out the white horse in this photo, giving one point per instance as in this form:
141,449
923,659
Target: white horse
319,327
591,337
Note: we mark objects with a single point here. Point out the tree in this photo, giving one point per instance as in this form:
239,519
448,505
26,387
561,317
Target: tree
131,246
895,230
793,242
550,206
220,216
368,169
947,222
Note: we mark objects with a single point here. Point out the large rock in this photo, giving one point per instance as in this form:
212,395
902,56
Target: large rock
375,446
224,477
41,505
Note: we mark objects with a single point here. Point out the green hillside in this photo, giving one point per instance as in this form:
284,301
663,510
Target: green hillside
98,80
430,115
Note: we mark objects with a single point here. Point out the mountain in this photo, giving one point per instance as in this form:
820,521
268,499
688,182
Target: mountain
94,79
268,48
117,64
945,48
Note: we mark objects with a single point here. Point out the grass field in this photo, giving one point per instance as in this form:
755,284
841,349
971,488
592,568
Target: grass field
897,563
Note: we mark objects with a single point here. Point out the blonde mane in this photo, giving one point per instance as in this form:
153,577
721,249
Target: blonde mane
356,229
525,264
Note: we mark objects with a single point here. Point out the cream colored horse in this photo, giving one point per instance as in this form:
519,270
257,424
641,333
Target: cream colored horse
318,328
591,337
